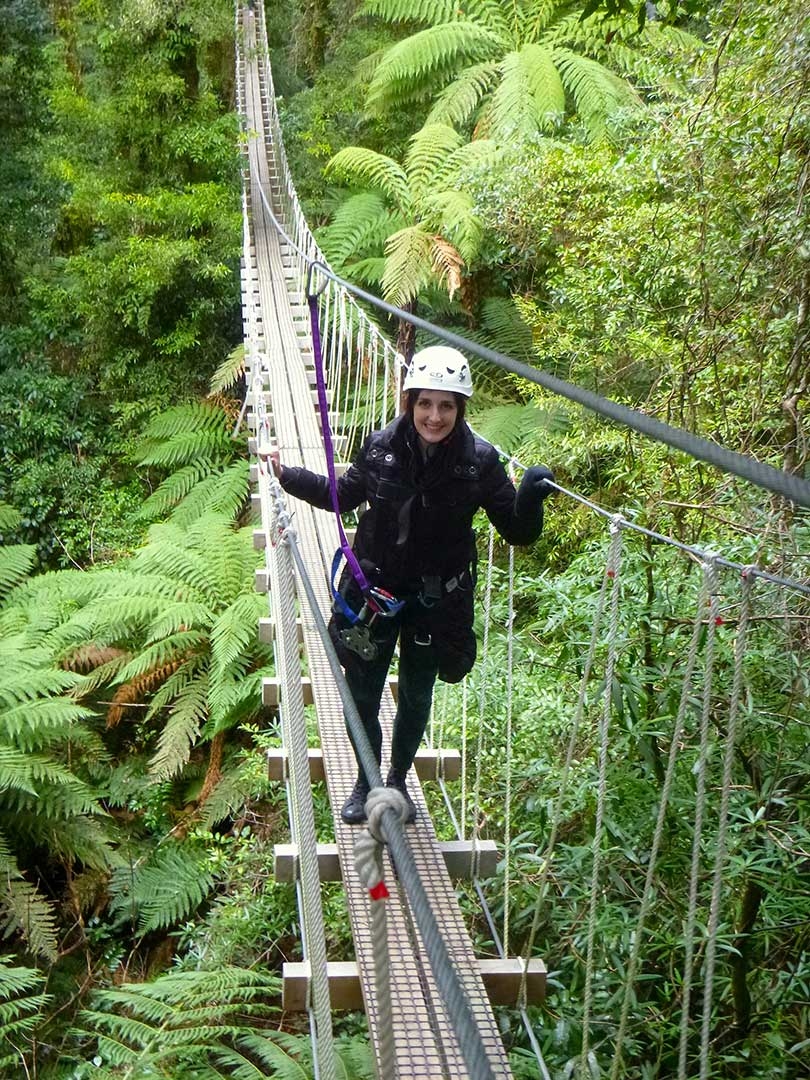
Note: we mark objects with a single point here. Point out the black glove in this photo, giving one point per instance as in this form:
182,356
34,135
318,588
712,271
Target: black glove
533,487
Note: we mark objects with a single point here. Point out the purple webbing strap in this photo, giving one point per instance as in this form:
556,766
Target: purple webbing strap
329,448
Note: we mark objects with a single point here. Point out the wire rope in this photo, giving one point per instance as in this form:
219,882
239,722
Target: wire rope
614,563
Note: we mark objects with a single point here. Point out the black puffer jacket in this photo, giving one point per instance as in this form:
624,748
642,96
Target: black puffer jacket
417,530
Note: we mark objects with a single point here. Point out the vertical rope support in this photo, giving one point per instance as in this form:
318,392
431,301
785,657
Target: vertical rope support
464,704
482,701
579,712
510,672
669,776
614,562
710,570
746,588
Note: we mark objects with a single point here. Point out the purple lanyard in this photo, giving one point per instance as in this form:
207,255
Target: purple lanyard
329,448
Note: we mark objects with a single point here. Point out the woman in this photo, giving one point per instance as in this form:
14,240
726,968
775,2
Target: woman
423,477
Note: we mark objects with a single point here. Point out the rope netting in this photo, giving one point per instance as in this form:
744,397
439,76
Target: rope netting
642,643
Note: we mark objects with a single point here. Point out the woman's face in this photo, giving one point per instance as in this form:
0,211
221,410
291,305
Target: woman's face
434,415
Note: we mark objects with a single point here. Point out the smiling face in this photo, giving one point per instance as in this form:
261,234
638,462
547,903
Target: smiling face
434,415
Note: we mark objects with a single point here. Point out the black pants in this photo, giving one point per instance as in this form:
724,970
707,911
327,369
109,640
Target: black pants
418,667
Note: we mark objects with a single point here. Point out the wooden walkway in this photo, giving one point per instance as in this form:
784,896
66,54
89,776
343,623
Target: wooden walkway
279,351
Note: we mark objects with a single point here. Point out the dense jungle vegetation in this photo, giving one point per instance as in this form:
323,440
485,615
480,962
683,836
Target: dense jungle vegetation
616,193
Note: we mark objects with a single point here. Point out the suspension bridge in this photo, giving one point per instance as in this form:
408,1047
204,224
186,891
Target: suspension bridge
429,1000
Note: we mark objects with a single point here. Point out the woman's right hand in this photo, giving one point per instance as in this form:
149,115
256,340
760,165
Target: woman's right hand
271,453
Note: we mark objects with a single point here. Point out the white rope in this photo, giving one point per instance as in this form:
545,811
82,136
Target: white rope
482,702
507,840
614,559
710,570
649,891
747,585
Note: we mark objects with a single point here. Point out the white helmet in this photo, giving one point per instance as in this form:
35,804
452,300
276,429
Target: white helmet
439,367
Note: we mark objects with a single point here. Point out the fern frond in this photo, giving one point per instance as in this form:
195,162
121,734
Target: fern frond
171,490
36,724
397,11
103,674
167,555
509,426
133,692
161,653
429,148
529,96
597,92
407,264
27,684
229,371
167,888
504,330
235,630
368,271
10,517
176,617
171,686
90,657
189,446
192,416
353,226
451,212
16,561
22,1005
447,265
224,492
357,163
24,911
457,102
424,62
181,730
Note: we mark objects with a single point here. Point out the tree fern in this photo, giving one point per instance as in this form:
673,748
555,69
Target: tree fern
417,66
183,725
22,1004
35,724
428,150
161,890
458,102
229,371
16,561
407,264
596,91
24,911
359,164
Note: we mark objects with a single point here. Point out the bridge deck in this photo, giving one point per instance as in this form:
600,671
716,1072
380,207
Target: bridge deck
280,351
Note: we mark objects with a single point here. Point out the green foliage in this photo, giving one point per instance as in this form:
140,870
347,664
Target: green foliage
210,475
212,1024
428,228
166,887
22,1004
509,79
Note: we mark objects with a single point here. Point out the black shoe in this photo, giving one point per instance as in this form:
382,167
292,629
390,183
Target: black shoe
397,780
354,809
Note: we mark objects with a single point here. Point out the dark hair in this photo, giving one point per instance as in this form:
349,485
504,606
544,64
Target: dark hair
461,404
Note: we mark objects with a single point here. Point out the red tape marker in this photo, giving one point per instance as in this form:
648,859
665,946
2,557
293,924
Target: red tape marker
379,892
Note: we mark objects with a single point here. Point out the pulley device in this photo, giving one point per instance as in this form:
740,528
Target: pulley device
377,603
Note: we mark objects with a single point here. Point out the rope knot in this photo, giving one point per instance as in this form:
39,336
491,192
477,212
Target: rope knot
369,842
379,800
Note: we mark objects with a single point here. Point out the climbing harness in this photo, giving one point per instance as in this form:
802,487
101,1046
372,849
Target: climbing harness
378,603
